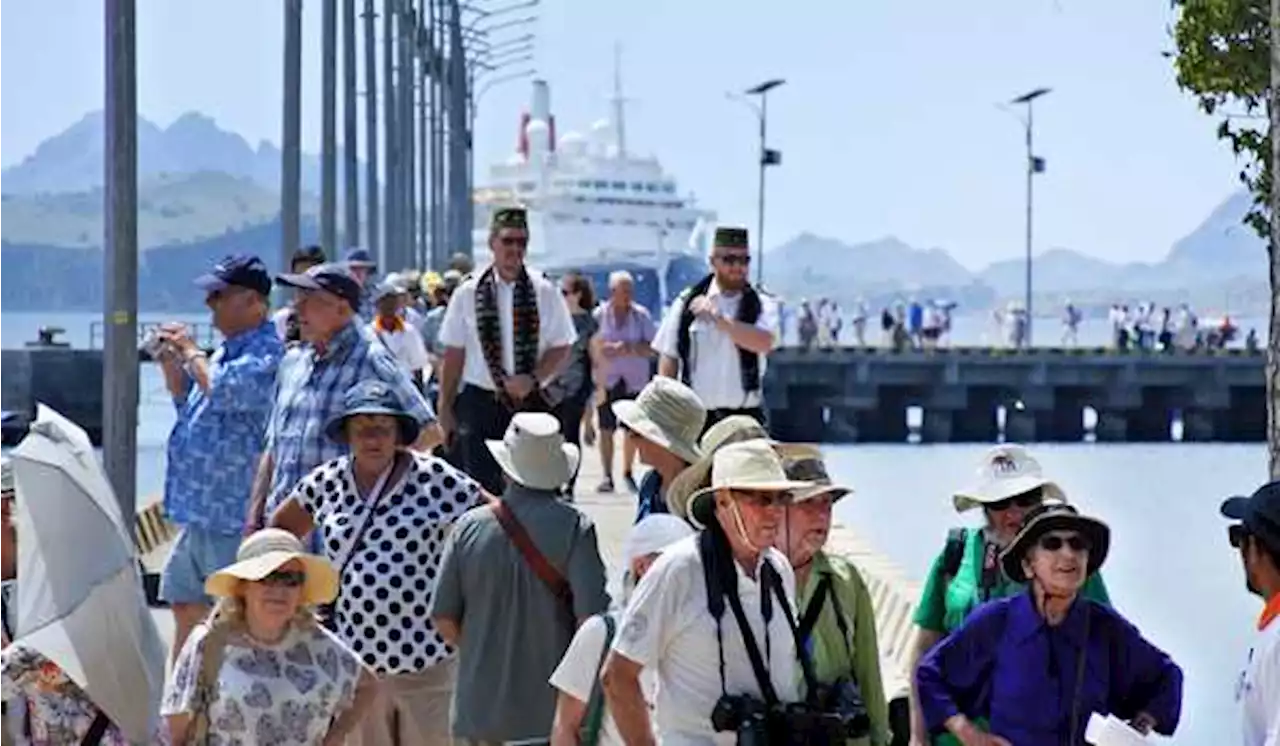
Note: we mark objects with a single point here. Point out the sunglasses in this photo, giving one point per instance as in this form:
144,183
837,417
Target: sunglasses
1236,534
735,260
1054,542
286,578
1025,500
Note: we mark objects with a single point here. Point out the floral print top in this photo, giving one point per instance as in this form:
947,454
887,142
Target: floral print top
284,694
59,711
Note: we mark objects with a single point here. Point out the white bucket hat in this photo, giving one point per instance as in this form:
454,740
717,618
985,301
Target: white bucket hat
750,465
533,452
666,413
652,534
1006,471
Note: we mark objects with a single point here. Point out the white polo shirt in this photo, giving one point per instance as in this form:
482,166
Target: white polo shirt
715,368
667,628
1258,691
458,328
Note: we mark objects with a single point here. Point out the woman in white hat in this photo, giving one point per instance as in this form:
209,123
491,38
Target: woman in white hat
967,572
262,670
1036,665
581,716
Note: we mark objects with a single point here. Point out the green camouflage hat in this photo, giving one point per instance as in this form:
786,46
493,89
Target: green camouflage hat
731,238
511,217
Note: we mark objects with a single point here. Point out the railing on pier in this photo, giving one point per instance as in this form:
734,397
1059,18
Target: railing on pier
204,334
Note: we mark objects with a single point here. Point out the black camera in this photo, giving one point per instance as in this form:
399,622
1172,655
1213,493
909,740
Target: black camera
799,723
744,715
844,711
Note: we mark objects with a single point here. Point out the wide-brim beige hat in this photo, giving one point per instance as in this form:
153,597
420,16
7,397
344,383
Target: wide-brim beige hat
1007,471
533,452
732,429
266,551
750,465
666,413
803,462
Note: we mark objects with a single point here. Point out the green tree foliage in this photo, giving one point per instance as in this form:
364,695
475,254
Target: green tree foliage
1222,57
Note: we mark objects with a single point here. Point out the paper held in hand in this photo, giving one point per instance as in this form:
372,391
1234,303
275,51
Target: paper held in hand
1107,730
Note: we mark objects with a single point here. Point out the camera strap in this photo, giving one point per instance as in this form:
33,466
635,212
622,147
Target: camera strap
758,666
771,581
814,610
713,573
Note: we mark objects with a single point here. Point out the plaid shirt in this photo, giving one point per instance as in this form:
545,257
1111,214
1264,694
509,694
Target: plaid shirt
216,442
309,391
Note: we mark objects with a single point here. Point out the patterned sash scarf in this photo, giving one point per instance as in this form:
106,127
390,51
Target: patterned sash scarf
524,312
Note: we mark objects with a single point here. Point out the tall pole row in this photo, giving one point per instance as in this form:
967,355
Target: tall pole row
328,125
291,135
372,239
391,209
350,147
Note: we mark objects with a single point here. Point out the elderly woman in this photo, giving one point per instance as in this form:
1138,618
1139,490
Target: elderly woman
383,513
967,573
262,670
1036,665
581,716
834,606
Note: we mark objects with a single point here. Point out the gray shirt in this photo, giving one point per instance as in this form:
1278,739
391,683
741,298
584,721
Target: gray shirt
513,634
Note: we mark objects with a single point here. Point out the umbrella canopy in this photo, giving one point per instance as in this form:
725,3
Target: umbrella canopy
80,600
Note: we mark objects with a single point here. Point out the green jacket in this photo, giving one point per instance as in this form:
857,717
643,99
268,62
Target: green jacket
831,652
946,601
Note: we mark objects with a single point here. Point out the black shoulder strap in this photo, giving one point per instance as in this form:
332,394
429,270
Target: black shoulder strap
749,641
814,610
771,580
953,554
683,338
97,730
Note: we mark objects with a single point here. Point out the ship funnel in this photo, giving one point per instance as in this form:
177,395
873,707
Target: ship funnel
541,108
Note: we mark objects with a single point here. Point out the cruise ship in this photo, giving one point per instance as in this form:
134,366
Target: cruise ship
596,208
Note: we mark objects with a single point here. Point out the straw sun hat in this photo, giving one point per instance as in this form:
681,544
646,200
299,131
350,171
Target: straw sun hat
750,465
533,452
666,413
266,551
1007,471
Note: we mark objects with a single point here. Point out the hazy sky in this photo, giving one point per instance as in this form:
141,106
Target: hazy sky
888,122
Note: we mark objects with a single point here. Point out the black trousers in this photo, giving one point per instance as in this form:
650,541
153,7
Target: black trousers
570,412
715,415
481,416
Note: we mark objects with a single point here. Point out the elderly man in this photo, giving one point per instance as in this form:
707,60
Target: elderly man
516,580
402,338
339,351
626,333
676,621
286,318
506,334
362,267
662,423
222,407
835,612
718,334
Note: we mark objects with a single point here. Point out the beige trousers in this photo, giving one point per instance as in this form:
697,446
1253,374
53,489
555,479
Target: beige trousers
412,709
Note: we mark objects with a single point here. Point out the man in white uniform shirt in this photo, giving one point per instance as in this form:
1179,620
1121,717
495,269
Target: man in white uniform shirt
1257,537
717,335
671,625
506,333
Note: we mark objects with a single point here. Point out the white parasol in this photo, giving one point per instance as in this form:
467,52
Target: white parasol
80,600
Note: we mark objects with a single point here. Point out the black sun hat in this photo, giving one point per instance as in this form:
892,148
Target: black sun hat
1048,517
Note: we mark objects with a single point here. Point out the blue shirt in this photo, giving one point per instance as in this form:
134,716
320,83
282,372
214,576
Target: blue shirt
309,391
216,441
1007,665
650,499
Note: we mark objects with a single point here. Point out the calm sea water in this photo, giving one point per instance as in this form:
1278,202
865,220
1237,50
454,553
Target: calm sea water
1170,570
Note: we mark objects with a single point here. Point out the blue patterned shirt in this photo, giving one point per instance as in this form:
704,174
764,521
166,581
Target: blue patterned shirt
309,391
215,444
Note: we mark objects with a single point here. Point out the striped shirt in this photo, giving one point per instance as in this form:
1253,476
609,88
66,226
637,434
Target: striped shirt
309,392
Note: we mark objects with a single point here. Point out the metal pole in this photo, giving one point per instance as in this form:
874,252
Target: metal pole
372,239
120,311
764,116
404,98
1273,342
389,122
350,145
291,136
459,194
439,219
1031,173
329,126
424,190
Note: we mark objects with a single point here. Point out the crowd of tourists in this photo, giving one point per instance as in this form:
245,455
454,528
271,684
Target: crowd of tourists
379,542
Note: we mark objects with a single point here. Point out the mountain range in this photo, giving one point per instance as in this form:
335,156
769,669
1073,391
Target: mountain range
205,190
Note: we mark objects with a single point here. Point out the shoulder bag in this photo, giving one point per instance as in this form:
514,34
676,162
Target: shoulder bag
541,566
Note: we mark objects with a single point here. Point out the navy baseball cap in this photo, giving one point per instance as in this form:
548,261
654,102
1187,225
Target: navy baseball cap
240,270
1259,512
360,258
333,278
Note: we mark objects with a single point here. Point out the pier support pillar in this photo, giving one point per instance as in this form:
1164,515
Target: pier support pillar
937,426
1112,427
1021,425
1198,426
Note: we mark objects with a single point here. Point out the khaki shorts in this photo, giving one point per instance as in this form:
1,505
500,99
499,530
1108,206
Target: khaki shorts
411,708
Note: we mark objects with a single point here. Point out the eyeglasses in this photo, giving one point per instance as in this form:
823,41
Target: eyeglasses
1025,500
1236,534
286,578
1054,542
734,260
763,499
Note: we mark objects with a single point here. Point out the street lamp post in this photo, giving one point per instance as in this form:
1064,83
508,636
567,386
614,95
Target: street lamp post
1035,165
767,158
